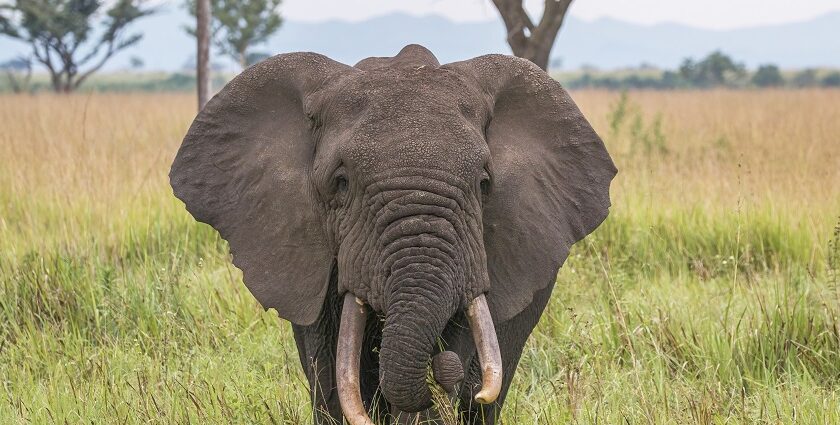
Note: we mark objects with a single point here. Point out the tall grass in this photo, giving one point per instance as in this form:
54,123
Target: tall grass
709,295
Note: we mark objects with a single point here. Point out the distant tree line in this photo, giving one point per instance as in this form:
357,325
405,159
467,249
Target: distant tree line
715,70
73,39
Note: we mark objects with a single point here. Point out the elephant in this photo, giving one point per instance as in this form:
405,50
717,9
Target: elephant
405,217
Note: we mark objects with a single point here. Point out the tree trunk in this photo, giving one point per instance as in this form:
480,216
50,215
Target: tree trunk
243,60
527,40
538,51
56,82
202,33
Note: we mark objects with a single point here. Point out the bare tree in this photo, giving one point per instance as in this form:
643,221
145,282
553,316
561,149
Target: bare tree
527,40
202,35
57,30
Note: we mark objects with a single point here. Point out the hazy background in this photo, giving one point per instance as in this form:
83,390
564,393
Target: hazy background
606,34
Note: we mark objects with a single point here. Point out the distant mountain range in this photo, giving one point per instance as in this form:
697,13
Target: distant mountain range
603,43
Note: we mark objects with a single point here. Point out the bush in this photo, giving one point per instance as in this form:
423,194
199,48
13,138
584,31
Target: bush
806,78
716,69
768,76
832,80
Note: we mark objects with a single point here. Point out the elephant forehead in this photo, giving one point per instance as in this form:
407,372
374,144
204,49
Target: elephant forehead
416,143
415,117
390,93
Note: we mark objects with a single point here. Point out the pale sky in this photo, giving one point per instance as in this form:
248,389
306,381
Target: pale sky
711,14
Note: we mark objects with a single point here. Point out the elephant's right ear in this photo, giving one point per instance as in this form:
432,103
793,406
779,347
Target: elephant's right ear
243,168
550,182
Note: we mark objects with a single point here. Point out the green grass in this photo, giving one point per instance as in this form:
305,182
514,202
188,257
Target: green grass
116,307
655,319
675,347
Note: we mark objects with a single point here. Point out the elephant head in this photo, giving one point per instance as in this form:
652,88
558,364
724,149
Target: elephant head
432,189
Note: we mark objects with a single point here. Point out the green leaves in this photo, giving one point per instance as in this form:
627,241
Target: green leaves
716,69
239,25
58,31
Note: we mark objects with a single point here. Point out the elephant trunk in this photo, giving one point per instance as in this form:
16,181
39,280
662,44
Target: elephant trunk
414,321
420,297
423,266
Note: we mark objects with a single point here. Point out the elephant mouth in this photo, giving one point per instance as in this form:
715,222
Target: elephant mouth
348,355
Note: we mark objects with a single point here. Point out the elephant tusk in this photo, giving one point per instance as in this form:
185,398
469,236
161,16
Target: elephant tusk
350,334
489,356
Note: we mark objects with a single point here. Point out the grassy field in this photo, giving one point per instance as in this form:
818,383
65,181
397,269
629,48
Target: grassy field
710,295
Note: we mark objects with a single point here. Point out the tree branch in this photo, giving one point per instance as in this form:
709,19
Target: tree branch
516,22
59,31
537,43
551,21
112,50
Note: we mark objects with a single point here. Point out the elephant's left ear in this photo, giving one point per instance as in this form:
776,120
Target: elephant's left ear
550,182
244,169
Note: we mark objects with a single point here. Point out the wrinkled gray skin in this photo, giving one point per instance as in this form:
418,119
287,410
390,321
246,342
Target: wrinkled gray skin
415,186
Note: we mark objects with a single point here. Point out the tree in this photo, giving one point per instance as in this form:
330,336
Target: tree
831,80
806,78
136,62
62,37
768,76
238,25
716,69
255,57
202,35
527,40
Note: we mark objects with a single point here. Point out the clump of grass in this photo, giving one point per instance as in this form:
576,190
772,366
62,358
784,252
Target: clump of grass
833,257
445,407
647,139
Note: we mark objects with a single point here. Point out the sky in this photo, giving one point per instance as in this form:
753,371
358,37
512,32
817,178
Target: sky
708,14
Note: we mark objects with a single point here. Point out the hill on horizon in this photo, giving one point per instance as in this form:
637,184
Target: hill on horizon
603,43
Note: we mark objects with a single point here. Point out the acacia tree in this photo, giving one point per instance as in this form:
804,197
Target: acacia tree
529,41
238,25
716,69
768,75
62,37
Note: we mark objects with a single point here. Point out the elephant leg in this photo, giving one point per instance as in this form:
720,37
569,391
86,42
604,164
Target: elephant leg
317,343
316,346
512,335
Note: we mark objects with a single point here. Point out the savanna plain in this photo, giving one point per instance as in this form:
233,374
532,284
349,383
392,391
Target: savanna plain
710,295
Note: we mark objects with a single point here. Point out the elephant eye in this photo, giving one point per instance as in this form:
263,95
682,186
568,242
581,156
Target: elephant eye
485,183
341,183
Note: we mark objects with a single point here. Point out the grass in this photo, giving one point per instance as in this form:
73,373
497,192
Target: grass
710,295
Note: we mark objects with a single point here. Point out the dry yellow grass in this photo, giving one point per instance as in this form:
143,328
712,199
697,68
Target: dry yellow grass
779,147
74,166
707,291
727,151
